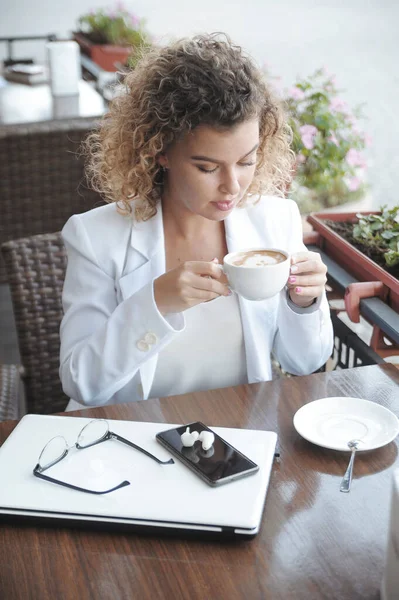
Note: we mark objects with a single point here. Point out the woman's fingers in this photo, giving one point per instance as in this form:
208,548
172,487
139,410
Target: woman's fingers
208,284
307,262
204,295
204,269
318,279
205,276
310,292
307,277
187,285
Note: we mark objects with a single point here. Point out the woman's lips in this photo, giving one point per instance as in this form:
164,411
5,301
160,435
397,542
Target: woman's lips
224,205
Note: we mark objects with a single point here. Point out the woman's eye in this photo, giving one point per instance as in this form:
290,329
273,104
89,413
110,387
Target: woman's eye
246,164
207,170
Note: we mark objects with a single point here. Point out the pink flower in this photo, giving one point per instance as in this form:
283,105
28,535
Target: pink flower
338,105
308,133
134,20
333,139
355,159
354,184
300,159
352,120
296,93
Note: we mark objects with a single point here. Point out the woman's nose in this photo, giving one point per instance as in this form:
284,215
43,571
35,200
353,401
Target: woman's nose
230,184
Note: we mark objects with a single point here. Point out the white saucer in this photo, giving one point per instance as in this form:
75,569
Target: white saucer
332,422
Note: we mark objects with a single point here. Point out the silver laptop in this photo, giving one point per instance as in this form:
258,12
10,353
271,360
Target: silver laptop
160,498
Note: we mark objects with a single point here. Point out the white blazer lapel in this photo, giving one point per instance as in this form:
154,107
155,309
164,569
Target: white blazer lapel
145,258
144,262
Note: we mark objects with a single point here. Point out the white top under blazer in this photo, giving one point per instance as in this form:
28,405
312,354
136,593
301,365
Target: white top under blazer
112,333
208,354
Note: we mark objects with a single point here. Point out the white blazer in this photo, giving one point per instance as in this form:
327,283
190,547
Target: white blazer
107,355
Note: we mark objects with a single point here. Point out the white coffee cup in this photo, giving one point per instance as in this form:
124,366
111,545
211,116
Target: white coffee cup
255,274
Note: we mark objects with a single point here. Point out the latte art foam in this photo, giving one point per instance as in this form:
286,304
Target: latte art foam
257,258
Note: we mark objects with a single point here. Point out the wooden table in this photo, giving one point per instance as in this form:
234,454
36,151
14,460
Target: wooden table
314,543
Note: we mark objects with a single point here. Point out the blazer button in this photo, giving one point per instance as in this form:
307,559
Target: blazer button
150,338
143,346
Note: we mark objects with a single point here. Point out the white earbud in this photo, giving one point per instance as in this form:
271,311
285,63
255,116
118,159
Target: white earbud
188,439
207,438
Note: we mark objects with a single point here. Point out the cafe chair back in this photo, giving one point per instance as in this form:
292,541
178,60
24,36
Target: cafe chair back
11,392
42,181
36,270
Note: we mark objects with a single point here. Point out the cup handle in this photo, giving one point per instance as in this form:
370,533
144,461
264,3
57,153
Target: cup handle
221,268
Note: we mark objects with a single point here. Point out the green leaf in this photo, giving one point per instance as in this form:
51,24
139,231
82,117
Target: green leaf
387,235
392,258
376,226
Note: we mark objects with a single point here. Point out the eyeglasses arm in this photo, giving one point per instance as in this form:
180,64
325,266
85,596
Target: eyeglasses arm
125,441
36,473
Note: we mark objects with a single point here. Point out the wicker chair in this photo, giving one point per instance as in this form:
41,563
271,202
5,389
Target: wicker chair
36,270
42,178
11,393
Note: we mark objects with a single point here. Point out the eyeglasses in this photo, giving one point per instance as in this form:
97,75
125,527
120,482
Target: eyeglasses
95,432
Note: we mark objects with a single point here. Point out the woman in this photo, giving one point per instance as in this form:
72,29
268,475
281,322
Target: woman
193,157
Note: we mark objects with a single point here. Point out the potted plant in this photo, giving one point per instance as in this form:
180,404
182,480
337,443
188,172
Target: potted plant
365,244
109,37
328,143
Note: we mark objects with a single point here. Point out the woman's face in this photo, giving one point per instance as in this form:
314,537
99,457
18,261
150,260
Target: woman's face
209,170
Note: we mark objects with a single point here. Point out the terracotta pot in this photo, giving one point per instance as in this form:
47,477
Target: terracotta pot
106,56
350,258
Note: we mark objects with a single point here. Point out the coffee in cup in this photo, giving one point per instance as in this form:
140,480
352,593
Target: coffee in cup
257,258
257,273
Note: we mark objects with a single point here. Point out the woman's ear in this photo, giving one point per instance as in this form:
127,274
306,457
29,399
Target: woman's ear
163,161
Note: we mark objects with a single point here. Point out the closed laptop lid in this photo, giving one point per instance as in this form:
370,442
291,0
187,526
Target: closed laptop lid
158,495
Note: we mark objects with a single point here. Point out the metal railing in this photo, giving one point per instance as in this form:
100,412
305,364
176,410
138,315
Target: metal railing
50,37
349,349
373,309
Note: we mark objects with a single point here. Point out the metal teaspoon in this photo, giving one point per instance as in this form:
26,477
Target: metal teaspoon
347,479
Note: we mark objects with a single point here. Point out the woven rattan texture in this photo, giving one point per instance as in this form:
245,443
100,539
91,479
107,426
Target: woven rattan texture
10,383
42,179
36,270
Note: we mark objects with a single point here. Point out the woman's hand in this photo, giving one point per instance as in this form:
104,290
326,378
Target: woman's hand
187,285
307,278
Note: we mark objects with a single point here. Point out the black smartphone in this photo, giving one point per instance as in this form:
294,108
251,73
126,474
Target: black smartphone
220,464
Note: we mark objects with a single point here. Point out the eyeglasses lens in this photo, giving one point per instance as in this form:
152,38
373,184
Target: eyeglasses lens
53,451
93,432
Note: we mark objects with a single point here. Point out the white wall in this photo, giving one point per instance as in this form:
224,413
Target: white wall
356,39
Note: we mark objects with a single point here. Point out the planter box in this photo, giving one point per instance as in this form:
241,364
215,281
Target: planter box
106,56
350,258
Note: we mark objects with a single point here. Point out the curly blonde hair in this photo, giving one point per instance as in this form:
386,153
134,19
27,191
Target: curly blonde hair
201,80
